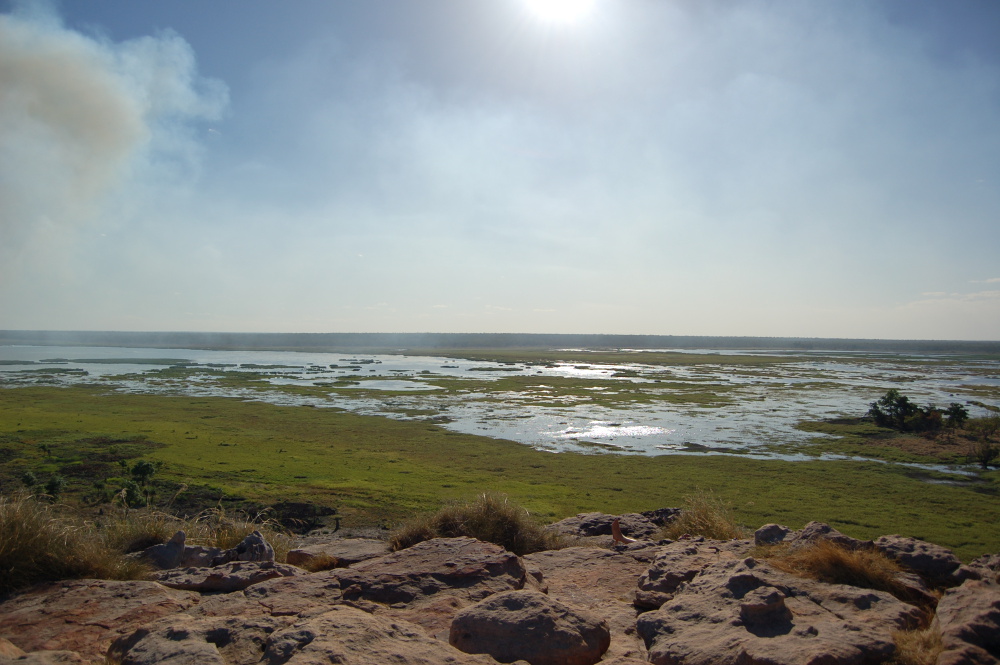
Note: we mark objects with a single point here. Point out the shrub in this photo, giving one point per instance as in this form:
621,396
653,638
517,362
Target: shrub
704,514
490,517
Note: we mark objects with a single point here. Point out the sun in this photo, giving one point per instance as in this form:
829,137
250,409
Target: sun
560,11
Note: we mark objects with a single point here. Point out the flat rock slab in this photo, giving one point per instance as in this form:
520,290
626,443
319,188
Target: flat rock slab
85,616
229,577
968,619
528,625
342,635
347,551
602,582
744,612
681,561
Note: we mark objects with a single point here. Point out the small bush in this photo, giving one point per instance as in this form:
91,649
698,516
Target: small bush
39,545
916,647
490,517
704,514
826,561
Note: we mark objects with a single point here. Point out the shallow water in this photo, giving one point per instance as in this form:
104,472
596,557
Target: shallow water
755,413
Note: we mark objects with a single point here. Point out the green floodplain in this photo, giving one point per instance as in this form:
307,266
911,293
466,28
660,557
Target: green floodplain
378,471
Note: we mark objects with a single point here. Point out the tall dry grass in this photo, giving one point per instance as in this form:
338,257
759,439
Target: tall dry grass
826,561
43,542
489,517
916,647
705,514
40,544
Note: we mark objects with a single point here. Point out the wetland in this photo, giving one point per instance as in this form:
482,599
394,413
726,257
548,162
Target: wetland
379,436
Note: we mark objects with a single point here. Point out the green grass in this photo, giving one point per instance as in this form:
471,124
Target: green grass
380,471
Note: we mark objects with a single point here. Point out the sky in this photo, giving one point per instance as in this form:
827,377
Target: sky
672,167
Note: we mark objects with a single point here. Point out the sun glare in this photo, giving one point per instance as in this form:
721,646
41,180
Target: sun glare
560,11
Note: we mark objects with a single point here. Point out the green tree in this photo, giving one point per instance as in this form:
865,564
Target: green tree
892,410
143,471
956,415
55,486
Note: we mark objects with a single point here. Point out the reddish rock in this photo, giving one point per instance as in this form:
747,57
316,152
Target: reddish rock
814,531
679,562
744,612
347,551
968,619
85,616
933,562
601,582
226,578
583,525
528,625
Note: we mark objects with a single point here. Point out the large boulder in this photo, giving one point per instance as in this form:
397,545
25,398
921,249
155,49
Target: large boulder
680,562
528,625
85,616
601,582
744,612
968,618
425,584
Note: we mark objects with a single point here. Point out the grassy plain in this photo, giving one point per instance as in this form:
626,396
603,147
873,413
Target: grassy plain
376,470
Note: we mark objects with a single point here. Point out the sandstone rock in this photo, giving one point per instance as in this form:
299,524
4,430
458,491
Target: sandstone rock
167,555
531,626
933,562
46,658
351,637
814,531
432,566
85,616
680,562
599,581
633,525
226,578
986,567
968,619
253,548
745,612
771,534
186,640
347,551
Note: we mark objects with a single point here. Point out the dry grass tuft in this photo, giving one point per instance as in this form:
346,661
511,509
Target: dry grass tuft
828,562
916,647
490,517
38,544
318,564
705,514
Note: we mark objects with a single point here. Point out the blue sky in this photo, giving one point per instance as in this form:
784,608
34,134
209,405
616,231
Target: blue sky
651,166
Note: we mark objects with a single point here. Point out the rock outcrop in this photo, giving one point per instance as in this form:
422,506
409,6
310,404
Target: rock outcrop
462,601
528,625
743,611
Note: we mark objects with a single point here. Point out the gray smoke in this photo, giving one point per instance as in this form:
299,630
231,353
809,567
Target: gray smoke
82,117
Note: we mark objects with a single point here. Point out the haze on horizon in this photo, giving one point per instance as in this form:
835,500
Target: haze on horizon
663,167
